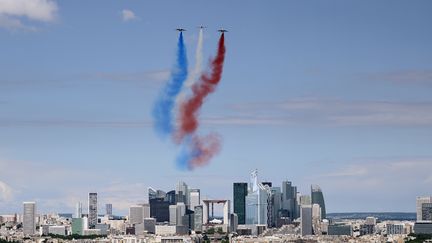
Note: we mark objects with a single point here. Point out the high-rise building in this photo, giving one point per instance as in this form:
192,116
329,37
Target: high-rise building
289,200
159,209
419,206
305,200
78,210
78,226
173,214
198,218
194,198
182,194
150,225
240,191
181,211
257,207
108,209
29,218
137,213
306,219
92,210
427,212
276,206
318,198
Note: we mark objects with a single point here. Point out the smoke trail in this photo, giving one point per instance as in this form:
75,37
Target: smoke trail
200,90
197,151
163,108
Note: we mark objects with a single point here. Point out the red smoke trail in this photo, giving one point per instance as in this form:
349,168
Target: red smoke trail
203,149
200,90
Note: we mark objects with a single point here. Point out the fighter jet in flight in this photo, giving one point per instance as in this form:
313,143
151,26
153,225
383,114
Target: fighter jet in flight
223,30
180,29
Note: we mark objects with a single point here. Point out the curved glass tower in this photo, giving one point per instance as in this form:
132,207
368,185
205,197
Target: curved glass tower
318,198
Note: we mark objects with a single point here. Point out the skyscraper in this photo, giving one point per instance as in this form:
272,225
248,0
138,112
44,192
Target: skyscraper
78,210
419,206
182,194
257,211
318,198
194,198
29,215
240,191
306,219
198,218
92,210
136,214
108,209
289,199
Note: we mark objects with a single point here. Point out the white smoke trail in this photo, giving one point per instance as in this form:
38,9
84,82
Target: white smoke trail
196,72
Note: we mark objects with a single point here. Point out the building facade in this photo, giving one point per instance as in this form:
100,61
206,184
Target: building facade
29,218
240,191
92,210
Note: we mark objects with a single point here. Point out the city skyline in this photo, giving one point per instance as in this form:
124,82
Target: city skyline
334,94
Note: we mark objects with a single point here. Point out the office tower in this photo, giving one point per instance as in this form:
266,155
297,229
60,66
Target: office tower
152,193
198,218
108,209
318,198
182,194
78,226
305,200
316,218
159,209
137,213
92,210
427,212
181,211
276,202
150,225
78,210
289,200
29,218
170,197
240,191
306,219
146,210
233,222
419,206
173,214
257,202
194,198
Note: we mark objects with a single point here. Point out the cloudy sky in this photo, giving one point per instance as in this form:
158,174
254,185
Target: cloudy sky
335,93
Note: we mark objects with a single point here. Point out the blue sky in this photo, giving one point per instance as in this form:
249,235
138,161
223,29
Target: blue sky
335,93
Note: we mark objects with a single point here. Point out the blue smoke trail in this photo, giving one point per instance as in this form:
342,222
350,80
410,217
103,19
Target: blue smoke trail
163,108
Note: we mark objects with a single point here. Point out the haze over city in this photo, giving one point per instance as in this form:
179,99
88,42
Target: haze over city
333,93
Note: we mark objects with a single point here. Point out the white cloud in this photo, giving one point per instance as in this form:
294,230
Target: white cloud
12,12
5,192
128,15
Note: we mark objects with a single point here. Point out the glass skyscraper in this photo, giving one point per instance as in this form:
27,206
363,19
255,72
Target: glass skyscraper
318,198
29,214
92,210
240,191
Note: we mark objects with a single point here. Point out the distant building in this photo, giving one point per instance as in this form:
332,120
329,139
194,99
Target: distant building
137,213
29,218
306,220
233,222
423,228
419,206
339,229
198,218
150,225
289,201
318,198
108,209
173,214
395,229
367,229
182,194
78,226
257,202
240,191
371,221
78,210
92,210
159,209
194,198
427,212
57,230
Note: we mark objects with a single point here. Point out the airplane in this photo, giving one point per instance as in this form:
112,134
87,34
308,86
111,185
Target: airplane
181,29
202,27
223,30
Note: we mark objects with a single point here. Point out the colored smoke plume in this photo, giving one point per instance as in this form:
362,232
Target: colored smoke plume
200,90
163,108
